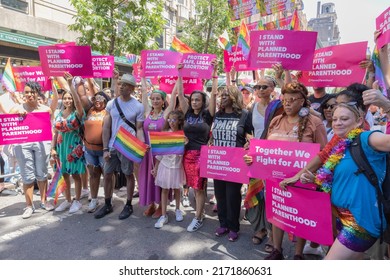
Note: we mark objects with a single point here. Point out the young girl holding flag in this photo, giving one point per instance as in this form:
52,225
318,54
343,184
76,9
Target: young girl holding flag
169,171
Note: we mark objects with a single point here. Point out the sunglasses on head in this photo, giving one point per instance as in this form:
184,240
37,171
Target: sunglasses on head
263,87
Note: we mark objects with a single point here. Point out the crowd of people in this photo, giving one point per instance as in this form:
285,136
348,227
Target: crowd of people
86,120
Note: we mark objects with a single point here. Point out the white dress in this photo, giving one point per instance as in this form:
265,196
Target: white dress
170,173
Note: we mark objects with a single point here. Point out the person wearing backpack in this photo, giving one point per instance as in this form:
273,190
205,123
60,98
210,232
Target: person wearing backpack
359,221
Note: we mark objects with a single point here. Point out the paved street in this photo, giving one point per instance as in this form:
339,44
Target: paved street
51,235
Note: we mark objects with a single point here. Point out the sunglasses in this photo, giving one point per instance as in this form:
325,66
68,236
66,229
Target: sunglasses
98,98
172,120
263,87
291,100
329,106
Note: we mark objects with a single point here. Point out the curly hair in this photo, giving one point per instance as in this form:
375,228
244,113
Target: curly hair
236,97
298,88
34,86
180,118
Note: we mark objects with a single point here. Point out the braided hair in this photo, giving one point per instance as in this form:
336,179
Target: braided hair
298,88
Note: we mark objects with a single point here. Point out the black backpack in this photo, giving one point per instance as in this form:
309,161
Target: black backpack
382,193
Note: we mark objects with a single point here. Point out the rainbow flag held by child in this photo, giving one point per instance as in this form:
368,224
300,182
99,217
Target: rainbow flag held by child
57,185
129,145
167,143
179,46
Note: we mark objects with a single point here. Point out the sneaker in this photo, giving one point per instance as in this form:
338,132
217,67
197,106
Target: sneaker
172,203
161,221
28,211
308,250
179,215
46,206
84,193
275,255
186,201
93,205
195,225
76,206
106,209
126,212
63,206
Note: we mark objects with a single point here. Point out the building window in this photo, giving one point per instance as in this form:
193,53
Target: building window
17,5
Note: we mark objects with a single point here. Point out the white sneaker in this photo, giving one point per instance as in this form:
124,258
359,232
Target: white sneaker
76,206
93,205
172,203
63,206
195,225
84,193
161,221
179,215
28,211
308,250
186,201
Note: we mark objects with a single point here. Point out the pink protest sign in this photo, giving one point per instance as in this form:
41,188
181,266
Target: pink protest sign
35,127
336,66
189,84
159,63
223,163
25,74
383,24
236,59
276,160
136,72
56,60
196,65
302,212
293,49
103,66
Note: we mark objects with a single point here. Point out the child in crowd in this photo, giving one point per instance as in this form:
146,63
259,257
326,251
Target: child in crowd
169,171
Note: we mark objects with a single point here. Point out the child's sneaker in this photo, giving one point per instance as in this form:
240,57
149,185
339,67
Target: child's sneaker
161,221
179,215
186,201
172,203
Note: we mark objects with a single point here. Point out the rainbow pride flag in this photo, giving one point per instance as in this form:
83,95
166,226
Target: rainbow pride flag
243,40
224,43
167,143
179,46
294,24
253,194
378,71
57,185
129,145
8,79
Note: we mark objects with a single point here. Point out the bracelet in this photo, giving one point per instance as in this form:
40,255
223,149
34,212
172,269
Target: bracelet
233,81
215,77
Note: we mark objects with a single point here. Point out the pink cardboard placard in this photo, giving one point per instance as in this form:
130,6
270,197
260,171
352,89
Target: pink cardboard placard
24,74
302,212
159,63
35,127
336,66
293,49
236,59
223,163
103,66
383,24
76,60
189,84
276,160
196,65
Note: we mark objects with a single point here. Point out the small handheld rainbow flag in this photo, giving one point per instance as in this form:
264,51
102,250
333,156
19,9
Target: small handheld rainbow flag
252,197
179,46
129,145
224,43
167,143
8,79
243,40
294,24
378,70
57,185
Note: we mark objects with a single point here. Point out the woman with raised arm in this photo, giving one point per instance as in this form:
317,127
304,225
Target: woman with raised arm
197,127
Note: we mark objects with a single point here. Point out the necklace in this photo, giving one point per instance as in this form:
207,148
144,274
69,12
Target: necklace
324,176
154,116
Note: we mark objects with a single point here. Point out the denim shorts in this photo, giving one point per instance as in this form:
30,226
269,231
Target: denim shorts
33,159
118,160
94,158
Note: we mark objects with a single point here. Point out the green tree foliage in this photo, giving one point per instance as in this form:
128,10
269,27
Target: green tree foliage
201,33
118,26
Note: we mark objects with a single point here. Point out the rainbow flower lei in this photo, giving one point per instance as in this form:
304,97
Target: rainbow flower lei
324,176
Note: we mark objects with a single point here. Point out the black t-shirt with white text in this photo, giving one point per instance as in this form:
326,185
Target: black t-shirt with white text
197,129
